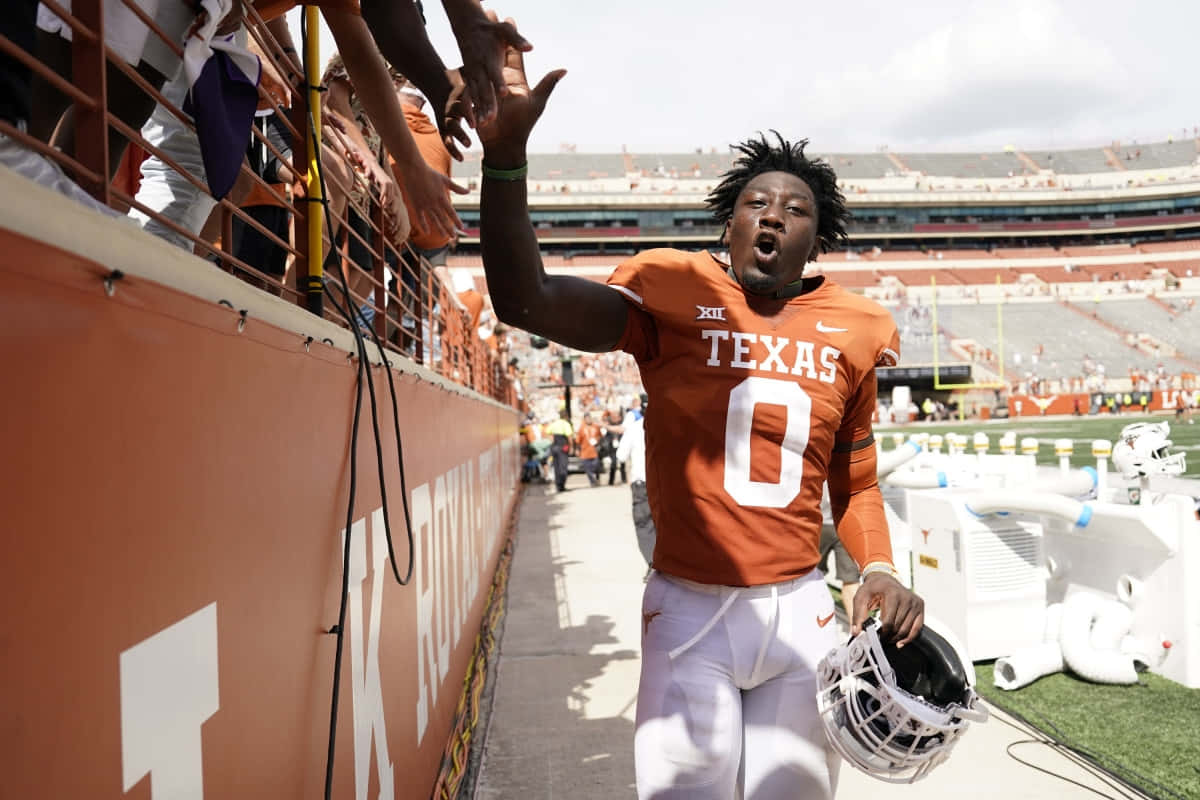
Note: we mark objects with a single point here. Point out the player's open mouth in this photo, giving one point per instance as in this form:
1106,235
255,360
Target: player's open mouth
766,247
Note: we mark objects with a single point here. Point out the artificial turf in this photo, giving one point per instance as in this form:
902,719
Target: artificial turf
1148,734
1081,430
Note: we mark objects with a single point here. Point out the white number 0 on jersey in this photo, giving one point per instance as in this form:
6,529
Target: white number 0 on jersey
742,402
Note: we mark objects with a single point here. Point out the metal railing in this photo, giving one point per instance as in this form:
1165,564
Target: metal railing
414,311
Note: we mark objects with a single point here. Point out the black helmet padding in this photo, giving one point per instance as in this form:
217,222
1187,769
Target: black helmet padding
930,667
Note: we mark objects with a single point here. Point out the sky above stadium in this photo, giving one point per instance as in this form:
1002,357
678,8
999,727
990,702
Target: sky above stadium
678,75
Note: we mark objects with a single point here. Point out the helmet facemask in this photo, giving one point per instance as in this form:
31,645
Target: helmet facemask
896,724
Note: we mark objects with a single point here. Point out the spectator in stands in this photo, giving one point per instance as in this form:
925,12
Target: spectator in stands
268,206
588,440
632,450
431,244
18,24
133,42
401,29
468,94
561,432
363,149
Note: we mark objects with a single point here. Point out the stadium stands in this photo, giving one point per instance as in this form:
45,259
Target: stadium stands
551,166
858,166
1180,330
1065,339
921,277
855,279
864,166
1053,275
1072,266
1074,161
1117,272
987,275
957,255
1027,252
877,166
1094,250
1162,247
1159,154
683,165
966,165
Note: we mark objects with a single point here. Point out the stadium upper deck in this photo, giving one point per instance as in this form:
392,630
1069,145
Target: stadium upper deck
615,201
854,166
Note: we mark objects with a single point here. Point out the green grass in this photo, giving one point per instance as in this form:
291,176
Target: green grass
1082,430
1146,733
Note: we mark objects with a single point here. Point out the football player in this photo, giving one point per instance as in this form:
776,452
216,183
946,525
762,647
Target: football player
762,384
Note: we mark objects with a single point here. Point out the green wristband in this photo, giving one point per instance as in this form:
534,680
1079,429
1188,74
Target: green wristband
515,174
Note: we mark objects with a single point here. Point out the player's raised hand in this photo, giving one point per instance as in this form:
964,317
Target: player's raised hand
519,106
901,613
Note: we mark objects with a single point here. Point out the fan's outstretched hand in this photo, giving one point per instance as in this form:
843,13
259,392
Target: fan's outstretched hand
519,106
483,40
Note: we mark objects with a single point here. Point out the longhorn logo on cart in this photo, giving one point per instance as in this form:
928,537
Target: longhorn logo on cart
925,533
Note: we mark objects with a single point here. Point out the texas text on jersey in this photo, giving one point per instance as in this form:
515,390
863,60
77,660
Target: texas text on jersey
750,395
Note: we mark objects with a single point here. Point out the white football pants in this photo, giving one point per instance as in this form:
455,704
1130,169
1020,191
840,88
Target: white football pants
727,703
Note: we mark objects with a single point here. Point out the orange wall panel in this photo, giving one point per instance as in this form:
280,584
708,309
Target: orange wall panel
174,496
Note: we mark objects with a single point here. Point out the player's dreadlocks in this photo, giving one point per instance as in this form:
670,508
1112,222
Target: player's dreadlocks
758,156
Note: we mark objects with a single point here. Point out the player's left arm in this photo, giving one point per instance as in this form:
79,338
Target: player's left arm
862,524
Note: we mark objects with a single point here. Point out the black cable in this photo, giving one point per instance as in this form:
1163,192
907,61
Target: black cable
1100,760
1061,743
355,314
351,314
1066,751
1051,772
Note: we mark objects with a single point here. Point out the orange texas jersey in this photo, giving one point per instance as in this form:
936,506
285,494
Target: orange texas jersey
745,405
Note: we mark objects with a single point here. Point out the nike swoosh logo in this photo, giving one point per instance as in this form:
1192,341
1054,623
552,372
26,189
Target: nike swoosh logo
646,620
821,623
823,328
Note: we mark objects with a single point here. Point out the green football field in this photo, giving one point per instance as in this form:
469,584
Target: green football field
1081,430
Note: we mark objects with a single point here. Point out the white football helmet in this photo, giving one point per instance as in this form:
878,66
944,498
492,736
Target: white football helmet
896,714
1141,451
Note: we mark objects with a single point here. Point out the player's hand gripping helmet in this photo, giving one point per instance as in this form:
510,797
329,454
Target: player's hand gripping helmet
1141,451
897,713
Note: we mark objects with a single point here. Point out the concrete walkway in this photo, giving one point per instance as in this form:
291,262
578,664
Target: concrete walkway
562,722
